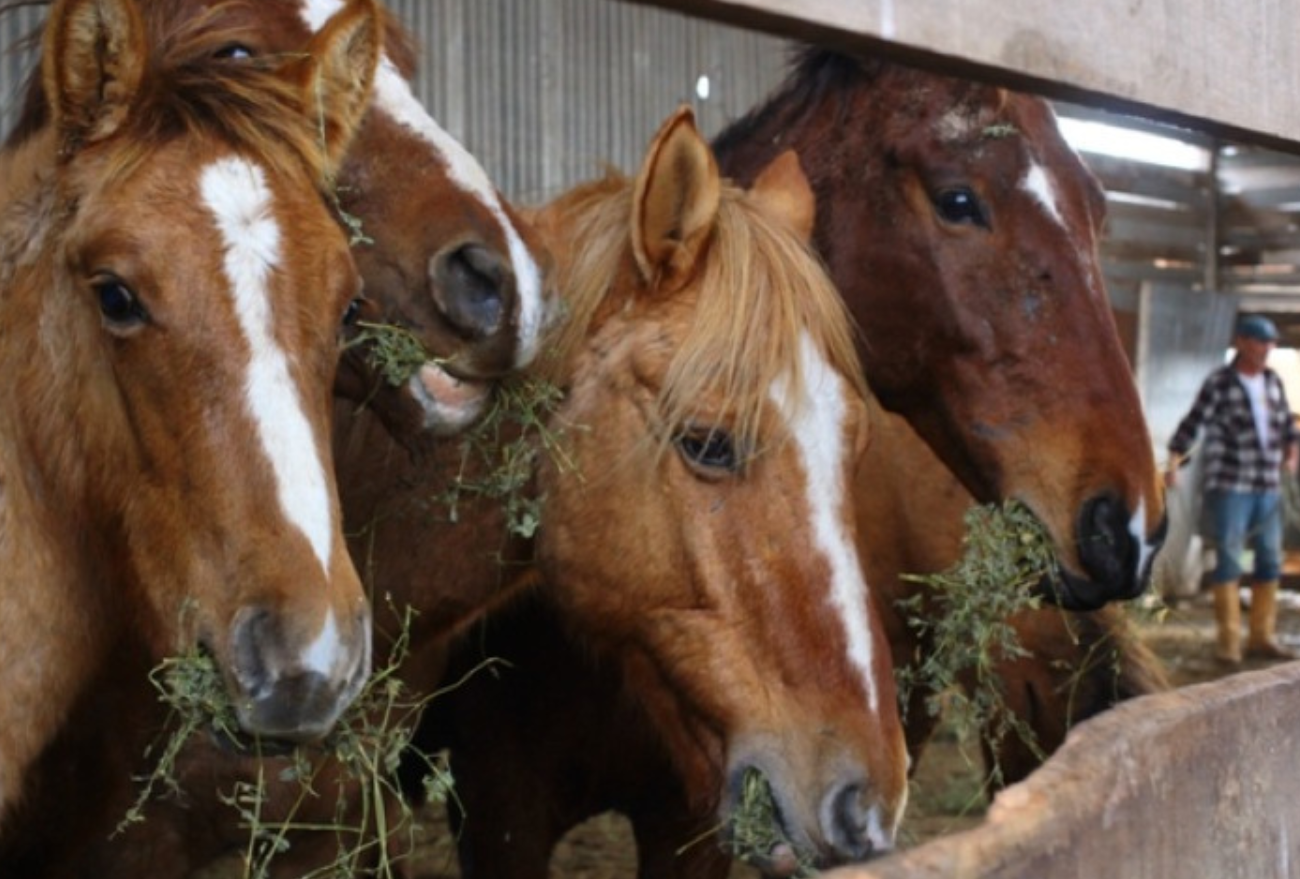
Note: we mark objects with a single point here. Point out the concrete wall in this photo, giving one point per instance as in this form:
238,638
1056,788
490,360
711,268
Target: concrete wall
1200,782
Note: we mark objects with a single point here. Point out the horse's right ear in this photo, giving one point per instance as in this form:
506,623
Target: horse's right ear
337,74
674,203
94,54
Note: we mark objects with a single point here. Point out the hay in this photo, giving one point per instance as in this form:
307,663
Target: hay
366,747
964,615
499,455
755,831
392,351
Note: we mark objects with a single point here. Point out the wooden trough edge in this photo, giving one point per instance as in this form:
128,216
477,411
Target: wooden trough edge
1200,781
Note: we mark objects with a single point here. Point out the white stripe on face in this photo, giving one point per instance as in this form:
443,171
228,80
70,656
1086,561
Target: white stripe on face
818,410
393,96
235,191
1038,184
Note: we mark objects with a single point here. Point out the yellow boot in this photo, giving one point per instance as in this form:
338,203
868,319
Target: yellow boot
1262,643
1227,614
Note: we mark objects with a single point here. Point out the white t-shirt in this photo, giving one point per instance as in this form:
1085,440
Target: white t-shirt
1257,390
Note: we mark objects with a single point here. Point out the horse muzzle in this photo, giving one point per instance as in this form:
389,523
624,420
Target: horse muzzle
295,693
1116,556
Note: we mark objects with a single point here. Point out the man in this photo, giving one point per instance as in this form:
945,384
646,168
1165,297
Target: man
1249,436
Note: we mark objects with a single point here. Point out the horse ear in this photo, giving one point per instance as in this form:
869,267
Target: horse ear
94,55
338,75
783,192
675,202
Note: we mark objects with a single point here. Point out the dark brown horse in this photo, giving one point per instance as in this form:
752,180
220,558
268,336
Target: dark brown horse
175,284
962,231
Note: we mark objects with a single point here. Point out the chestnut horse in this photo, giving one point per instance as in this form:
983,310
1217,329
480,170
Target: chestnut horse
448,261
968,194
703,543
176,284
710,368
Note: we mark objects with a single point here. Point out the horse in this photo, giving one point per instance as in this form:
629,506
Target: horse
972,271
445,259
176,285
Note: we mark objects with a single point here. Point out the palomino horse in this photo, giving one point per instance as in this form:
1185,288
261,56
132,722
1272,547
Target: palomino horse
956,212
176,285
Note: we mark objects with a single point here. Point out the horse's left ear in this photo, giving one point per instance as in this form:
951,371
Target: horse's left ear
94,54
338,74
783,191
675,202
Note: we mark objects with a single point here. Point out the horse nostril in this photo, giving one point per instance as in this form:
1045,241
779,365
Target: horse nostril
470,285
1107,551
847,825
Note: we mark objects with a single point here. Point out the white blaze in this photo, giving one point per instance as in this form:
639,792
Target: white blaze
235,191
819,411
393,96
1041,187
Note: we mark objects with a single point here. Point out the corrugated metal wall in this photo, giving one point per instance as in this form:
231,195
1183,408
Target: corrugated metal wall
545,92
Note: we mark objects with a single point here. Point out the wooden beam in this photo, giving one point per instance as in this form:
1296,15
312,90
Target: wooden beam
1229,69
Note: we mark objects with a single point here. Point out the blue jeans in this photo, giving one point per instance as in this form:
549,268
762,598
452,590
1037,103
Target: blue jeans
1242,517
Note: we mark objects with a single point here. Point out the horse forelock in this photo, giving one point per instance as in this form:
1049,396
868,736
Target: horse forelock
761,293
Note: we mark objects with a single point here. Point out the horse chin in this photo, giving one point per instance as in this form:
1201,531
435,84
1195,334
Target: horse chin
1069,591
241,744
450,404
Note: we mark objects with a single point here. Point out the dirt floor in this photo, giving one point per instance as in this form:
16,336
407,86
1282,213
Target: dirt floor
946,794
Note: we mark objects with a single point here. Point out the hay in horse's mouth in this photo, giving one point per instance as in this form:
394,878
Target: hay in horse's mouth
965,612
365,746
755,832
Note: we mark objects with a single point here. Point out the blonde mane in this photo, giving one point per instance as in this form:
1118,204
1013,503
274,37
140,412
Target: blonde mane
761,289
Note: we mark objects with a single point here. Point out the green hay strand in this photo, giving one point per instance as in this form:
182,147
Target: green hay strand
964,615
755,830
392,351
366,747
499,456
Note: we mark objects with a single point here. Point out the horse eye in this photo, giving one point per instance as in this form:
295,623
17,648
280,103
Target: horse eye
961,205
710,449
235,52
119,306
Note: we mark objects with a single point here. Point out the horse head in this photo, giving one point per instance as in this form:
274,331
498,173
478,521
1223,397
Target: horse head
444,257
962,231
173,358
704,534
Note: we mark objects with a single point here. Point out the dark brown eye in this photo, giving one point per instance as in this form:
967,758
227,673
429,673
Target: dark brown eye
234,52
709,448
961,205
120,307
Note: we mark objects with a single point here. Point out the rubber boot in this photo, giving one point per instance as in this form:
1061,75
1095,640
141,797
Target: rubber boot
1227,614
1262,643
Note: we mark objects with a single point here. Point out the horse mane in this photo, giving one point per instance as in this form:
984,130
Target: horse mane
814,75
189,91
761,290
186,39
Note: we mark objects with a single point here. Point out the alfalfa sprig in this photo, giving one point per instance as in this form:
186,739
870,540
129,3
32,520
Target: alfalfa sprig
964,615
754,833
499,455
369,818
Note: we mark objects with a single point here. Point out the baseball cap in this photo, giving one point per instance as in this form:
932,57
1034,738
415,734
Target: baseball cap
1255,326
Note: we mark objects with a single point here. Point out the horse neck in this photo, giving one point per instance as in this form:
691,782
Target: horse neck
400,531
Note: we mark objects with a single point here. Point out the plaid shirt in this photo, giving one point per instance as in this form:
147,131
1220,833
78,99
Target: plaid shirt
1234,457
